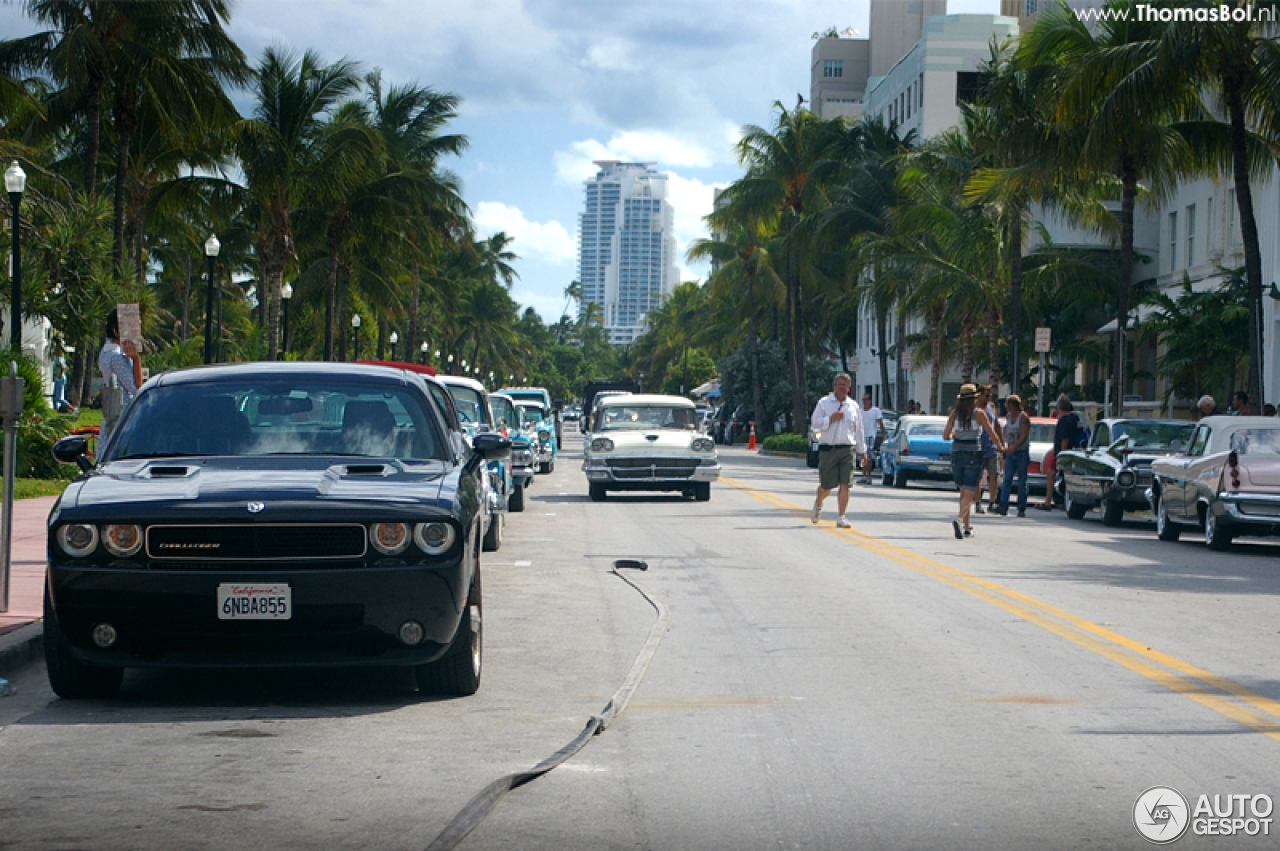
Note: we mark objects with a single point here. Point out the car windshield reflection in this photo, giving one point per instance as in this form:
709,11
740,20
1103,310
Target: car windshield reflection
1162,436
302,416
1256,441
647,417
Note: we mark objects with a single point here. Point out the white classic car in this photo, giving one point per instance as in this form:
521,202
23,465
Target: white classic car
651,443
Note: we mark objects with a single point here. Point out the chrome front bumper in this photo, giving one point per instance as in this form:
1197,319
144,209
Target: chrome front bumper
600,471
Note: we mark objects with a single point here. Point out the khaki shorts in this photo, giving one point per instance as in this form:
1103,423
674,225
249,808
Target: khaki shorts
835,466
992,465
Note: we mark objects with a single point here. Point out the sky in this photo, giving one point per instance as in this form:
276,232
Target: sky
548,86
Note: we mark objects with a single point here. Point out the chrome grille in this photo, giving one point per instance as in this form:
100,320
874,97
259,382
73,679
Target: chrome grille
652,468
256,542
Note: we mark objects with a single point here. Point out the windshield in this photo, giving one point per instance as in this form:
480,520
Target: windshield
925,429
532,414
471,409
620,417
1256,441
1041,433
504,412
296,416
1166,436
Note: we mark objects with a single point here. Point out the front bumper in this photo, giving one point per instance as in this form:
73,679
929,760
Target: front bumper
600,471
342,614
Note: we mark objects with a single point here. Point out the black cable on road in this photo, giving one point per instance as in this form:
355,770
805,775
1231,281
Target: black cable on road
479,807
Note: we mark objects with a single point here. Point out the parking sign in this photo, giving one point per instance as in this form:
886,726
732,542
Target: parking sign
1042,340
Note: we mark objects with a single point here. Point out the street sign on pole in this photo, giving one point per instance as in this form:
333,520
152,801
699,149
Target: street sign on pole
905,360
853,363
1042,340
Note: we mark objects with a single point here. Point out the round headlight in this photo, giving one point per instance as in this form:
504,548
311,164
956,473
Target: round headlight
78,539
389,538
1126,479
122,540
601,444
433,538
703,444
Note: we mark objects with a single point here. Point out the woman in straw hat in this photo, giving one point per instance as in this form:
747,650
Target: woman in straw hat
964,427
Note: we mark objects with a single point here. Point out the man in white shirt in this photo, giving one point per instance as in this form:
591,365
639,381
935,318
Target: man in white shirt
873,428
836,418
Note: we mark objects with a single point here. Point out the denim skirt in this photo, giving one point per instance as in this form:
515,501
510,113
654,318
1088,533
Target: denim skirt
966,467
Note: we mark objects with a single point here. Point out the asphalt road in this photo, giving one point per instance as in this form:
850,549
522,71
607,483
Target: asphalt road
885,687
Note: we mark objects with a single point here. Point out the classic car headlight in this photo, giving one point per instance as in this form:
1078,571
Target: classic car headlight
703,444
1126,478
78,539
389,538
122,540
433,538
601,444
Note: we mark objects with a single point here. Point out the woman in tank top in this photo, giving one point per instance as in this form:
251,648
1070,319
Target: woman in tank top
964,426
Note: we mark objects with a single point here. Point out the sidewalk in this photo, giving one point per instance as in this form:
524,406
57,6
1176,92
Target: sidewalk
20,630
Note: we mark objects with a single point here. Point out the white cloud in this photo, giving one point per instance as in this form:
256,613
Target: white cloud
691,199
576,165
547,241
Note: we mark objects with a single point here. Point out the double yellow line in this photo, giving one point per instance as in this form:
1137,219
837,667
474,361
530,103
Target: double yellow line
1233,700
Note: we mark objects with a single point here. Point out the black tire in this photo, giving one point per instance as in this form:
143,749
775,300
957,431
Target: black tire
68,676
515,502
1166,529
702,491
598,493
1112,512
551,466
493,538
899,478
457,673
811,458
1075,510
1215,537
540,469
886,478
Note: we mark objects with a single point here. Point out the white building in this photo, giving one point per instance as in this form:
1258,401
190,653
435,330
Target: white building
626,246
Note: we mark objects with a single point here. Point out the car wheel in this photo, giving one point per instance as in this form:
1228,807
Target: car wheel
68,676
551,466
900,479
1217,538
1112,512
1166,529
515,502
702,491
493,538
811,458
598,493
1075,510
541,468
457,673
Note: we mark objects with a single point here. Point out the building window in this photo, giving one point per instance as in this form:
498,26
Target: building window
1173,241
966,86
833,68
1191,235
920,92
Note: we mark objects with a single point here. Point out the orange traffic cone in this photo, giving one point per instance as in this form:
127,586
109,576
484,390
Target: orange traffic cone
751,442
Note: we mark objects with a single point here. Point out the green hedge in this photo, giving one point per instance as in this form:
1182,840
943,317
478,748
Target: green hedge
786,443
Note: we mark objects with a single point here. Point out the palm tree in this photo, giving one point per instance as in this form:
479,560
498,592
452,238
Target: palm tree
276,149
1130,139
787,169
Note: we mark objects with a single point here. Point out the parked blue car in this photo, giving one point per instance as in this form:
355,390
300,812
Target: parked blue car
539,426
472,401
916,450
507,416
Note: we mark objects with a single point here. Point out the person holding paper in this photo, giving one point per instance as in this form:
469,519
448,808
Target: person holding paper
119,360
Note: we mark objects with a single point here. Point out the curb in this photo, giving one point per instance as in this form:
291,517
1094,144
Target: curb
20,646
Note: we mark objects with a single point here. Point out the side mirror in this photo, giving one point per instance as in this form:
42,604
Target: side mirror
73,450
490,446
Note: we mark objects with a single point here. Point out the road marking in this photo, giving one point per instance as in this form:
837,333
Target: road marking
1172,673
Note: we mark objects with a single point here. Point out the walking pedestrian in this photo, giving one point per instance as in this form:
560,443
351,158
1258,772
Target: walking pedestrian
964,425
990,458
836,418
118,359
873,428
1017,454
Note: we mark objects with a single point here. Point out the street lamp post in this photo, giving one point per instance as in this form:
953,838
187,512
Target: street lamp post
211,249
15,183
393,339
355,336
286,293
424,348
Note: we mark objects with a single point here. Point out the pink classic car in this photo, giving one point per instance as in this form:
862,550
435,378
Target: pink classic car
1227,483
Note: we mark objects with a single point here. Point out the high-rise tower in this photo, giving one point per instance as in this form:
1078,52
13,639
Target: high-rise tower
626,246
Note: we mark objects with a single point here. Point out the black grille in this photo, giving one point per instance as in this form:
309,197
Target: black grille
653,468
255,542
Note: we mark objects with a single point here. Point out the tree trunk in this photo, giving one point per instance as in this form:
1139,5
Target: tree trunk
411,344
1252,251
186,301
966,352
1015,299
330,309
799,384
993,351
900,397
77,391
882,341
753,355
382,340
124,138
93,136
935,377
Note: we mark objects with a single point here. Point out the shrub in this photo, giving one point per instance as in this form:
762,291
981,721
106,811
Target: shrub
786,443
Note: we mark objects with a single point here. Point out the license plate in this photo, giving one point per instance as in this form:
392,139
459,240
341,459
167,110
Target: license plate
254,601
